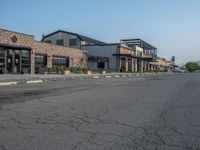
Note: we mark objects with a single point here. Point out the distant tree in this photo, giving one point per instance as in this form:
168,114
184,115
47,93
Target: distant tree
173,59
192,66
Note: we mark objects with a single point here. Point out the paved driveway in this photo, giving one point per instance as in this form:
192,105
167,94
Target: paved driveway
146,113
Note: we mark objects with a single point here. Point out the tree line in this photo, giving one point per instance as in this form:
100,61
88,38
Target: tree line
192,66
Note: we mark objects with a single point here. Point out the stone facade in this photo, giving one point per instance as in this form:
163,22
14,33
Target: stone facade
22,40
162,64
14,40
126,51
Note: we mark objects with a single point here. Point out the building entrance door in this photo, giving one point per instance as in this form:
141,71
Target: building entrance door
13,61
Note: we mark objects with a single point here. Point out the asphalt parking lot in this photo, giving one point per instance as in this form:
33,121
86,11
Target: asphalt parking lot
145,113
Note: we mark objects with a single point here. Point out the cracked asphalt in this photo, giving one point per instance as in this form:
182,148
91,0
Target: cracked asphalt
161,112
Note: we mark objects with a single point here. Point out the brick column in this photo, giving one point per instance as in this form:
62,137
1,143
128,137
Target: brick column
142,65
49,61
126,67
32,62
117,63
136,69
133,64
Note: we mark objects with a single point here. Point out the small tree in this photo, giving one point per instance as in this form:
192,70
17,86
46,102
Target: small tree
192,66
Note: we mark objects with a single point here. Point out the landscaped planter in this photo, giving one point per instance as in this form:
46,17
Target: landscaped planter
103,72
89,72
67,72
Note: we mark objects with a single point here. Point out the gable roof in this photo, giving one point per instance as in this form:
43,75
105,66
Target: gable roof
81,37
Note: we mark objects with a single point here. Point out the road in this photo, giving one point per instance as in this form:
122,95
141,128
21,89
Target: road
144,113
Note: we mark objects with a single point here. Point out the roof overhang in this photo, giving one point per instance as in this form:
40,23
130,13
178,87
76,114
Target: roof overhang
15,47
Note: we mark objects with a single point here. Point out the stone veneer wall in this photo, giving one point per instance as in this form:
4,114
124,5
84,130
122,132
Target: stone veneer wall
23,40
76,56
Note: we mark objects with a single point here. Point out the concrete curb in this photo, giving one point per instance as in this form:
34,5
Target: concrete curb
108,77
34,81
95,77
8,83
46,79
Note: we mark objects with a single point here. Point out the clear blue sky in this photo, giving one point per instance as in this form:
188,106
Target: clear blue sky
173,26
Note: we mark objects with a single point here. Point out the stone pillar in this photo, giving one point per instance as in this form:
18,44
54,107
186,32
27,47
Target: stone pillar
136,69
126,67
49,61
142,66
32,62
118,64
133,64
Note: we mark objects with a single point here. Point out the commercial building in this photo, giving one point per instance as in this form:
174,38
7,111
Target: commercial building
20,53
69,39
130,55
121,57
163,65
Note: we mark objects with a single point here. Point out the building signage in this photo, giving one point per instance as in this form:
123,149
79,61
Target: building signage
14,39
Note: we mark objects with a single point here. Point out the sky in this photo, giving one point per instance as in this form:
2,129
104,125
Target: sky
173,26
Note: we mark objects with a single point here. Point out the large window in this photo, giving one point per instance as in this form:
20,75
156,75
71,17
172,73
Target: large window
25,60
2,59
72,42
60,42
60,61
40,61
101,65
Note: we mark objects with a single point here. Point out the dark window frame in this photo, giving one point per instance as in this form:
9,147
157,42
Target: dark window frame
73,42
60,42
60,61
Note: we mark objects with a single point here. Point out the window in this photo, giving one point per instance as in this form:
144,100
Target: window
60,61
2,59
72,42
40,61
48,41
101,65
60,42
25,60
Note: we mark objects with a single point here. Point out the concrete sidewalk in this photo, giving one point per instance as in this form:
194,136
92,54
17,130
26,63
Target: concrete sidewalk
29,79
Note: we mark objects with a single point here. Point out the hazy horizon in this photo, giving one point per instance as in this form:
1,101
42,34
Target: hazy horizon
171,26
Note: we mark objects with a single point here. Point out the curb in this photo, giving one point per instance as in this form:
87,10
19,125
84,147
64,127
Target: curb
8,83
108,76
96,77
34,81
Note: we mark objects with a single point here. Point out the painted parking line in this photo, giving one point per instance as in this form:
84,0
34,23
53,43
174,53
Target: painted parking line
96,77
34,81
108,77
117,76
8,83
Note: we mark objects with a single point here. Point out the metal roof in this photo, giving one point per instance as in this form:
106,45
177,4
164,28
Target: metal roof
81,37
140,43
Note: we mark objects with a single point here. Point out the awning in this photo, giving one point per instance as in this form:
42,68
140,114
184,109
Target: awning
128,55
15,47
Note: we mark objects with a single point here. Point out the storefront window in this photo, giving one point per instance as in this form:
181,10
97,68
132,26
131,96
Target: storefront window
25,60
2,59
14,60
60,61
40,61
